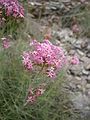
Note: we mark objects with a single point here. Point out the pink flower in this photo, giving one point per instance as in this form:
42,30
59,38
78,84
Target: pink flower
33,94
75,60
39,92
26,61
37,58
51,73
45,54
12,8
31,99
75,28
6,43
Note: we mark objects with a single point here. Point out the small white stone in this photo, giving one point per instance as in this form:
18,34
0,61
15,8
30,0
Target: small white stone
88,86
80,53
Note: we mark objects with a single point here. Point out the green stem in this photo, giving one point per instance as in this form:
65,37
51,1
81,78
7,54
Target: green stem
33,79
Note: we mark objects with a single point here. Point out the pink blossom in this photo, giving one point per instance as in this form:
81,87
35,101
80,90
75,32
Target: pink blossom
33,94
6,43
39,92
31,99
12,8
26,61
45,54
75,60
37,58
75,28
51,73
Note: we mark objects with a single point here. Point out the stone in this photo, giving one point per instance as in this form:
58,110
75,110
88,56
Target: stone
88,79
80,52
65,33
79,87
72,52
87,67
76,70
85,59
78,78
65,1
72,86
84,44
88,86
82,58
88,55
53,8
72,40
80,101
83,82
83,90
85,72
36,3
88,93
88,47
78,44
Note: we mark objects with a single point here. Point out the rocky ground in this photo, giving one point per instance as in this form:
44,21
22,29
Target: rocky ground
78,77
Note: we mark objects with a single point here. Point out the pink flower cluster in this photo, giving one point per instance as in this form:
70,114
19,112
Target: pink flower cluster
75,28
12,8
33,94
74,60
6,43
46,55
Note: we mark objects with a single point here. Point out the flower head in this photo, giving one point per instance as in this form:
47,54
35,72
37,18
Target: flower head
33,94
12,8
6,43
45,54
75,60
26,61
75,28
